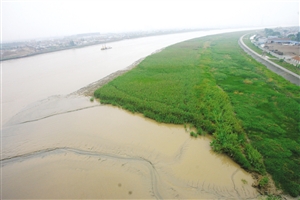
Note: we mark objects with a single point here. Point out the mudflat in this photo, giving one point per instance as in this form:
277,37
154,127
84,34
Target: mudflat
94,151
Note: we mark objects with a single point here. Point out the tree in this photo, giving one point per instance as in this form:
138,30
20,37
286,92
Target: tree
298,36
276,33
72,43
271,32
268,31
292,36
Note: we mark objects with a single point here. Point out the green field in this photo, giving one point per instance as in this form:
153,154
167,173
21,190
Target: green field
212,84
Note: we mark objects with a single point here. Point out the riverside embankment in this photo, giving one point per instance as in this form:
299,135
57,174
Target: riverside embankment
291,76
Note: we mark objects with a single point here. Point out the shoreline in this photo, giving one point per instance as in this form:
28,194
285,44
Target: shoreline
98,43
56,50
92,87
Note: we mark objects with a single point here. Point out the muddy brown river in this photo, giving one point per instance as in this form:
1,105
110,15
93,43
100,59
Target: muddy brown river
61,146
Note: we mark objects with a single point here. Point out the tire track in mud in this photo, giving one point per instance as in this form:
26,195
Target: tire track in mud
221,191
180,152
55,114
147,163
234,187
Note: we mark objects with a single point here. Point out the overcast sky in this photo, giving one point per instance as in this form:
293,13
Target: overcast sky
47,18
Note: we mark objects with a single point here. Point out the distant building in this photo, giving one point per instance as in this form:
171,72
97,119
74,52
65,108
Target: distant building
280,40
262,40
272,37
295,42
252,37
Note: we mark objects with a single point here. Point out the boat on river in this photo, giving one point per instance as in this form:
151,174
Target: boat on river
104,47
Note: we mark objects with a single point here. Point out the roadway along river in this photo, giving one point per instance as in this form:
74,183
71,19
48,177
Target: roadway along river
56,145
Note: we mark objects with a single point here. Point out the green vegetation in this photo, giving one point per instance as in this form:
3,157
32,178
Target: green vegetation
271,32
272,197
288,66
248,42
193,134
263,182
295,37
212,84
92,99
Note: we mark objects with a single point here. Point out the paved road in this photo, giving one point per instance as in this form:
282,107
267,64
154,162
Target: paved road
288,75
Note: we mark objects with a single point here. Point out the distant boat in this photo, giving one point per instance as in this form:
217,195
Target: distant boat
104,47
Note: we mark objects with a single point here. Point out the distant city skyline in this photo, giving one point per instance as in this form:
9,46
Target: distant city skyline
22,20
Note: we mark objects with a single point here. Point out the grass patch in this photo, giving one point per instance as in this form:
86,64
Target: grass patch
248,42
193,134
244,181
252,113
263,181
288,66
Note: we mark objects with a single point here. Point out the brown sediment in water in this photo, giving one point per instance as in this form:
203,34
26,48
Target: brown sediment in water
106,152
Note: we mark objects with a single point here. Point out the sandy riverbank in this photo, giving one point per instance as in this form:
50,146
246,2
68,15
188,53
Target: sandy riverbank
90,89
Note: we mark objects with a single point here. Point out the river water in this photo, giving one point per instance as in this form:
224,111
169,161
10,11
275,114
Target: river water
57,145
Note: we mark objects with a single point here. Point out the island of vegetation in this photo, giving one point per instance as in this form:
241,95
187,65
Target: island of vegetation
213,85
